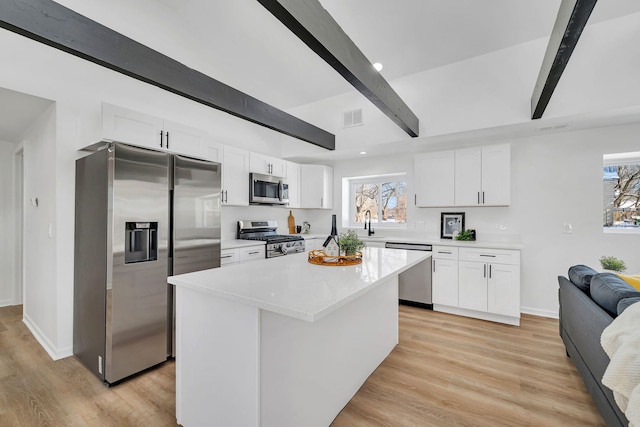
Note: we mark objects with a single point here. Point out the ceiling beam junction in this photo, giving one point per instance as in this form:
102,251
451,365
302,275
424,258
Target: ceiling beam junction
317,29
570,22
50,23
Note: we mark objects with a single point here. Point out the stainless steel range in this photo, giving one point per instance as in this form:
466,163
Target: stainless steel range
277,245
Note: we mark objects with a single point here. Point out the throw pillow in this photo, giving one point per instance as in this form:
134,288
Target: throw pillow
580,275
633,280
607,290
625,303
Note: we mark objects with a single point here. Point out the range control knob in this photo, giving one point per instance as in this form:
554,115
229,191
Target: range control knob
283,248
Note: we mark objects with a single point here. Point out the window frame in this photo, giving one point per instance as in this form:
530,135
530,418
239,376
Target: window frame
619,159
378,180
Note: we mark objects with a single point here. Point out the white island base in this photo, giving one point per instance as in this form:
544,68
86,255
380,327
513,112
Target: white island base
240,365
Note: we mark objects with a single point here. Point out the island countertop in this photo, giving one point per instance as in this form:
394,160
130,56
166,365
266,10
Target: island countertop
291,286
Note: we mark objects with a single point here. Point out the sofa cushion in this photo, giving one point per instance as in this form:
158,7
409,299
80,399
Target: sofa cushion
580,275
624,303
607,290
633,280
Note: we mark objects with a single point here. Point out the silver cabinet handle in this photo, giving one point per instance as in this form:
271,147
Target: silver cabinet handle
442,252
226,256
253,253
488,256
483,197
485,271
478,197
489,271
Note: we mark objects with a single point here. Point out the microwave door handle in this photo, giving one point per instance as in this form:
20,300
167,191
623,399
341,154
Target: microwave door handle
280,190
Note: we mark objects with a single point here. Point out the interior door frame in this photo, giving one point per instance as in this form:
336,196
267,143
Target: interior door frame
18,218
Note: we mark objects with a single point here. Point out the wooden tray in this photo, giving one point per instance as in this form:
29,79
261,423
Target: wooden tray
320,258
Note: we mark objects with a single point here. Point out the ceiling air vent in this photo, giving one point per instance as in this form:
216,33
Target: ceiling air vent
352,118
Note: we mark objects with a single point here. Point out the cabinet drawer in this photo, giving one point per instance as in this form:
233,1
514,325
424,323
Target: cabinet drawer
229,256
498,256
252,253
445,252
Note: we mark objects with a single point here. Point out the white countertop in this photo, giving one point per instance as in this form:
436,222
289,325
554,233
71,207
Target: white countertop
292,286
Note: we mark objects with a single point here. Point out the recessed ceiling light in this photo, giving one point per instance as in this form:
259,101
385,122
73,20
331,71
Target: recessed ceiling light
377,66
363,152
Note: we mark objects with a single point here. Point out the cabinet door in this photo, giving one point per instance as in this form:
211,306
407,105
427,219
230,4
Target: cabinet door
293,179
213,151
473,285
504,289
267,165
229,256
496,175
433,175
467,177
316,186
235,177
445,282
183,139
131,127
252,253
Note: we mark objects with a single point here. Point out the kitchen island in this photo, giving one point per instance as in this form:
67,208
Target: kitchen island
281,342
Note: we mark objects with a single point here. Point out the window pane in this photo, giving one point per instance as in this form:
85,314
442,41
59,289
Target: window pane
394,202
621,196
366,200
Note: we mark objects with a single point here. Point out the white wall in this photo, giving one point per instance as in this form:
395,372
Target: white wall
7,225
555,179
41,257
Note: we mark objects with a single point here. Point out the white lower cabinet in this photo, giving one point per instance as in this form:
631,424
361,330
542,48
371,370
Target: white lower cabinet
445,275
477,282
244,254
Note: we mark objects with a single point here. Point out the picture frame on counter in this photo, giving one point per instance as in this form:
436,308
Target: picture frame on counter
451,223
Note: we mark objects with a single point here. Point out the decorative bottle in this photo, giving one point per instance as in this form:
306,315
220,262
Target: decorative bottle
331,244
292,224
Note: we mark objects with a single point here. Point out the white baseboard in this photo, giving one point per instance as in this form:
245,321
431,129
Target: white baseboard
7,302
538,312
42,339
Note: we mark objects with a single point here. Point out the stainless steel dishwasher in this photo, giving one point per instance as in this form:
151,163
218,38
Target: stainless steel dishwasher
415,283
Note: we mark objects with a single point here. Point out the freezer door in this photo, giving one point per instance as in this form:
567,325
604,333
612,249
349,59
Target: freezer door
136,320
196,215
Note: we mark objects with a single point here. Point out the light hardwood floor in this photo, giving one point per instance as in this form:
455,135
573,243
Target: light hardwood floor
446,371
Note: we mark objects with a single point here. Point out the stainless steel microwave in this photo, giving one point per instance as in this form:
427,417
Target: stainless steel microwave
268,190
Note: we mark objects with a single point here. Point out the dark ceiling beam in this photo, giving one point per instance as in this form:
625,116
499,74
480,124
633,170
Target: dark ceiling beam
57,26
572,18
317,29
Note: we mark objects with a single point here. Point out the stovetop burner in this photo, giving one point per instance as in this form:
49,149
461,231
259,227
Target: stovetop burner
277,244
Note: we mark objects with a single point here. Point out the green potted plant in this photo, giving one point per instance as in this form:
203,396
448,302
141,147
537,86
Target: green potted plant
611,263
466,235
350,243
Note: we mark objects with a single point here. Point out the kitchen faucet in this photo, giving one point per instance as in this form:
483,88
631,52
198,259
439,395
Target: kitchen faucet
370,232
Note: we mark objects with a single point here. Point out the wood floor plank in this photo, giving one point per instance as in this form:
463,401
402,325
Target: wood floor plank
447,371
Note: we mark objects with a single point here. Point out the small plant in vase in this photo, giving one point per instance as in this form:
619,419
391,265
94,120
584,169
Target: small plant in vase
613,264
350,243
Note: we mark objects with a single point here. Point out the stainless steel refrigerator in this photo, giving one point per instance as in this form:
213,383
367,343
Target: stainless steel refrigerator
140,216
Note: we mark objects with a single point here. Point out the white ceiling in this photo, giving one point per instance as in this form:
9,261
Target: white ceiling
249,49
255,53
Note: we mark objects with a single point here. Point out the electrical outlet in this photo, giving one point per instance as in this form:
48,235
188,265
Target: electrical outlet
418,225
501,227
567,228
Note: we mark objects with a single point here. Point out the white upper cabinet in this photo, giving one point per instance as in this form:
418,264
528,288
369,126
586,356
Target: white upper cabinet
235,177
483,176
131,127
135,128
467,176
477,176
267,165
496,175
316,186
433,174
293,179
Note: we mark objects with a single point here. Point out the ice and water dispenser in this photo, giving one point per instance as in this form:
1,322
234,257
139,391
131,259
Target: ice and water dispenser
141,242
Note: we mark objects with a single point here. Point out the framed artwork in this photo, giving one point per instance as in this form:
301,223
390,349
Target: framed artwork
451,223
